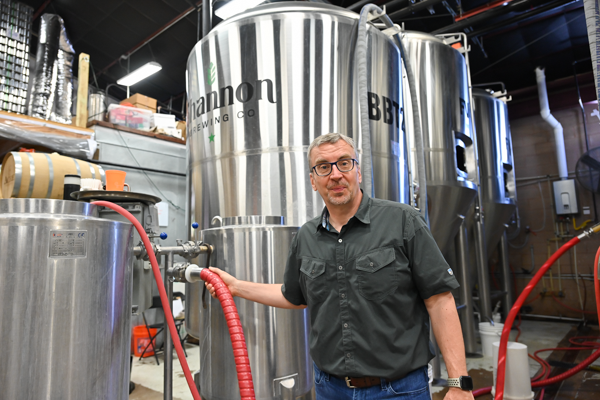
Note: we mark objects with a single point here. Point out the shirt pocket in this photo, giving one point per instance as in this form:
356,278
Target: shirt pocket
315,279
377,275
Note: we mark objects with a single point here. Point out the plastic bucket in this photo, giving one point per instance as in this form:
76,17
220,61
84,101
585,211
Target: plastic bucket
517,384
489,334
140,339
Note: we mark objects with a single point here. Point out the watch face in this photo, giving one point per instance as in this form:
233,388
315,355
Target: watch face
466,383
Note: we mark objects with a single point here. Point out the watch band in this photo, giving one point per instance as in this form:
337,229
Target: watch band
453,382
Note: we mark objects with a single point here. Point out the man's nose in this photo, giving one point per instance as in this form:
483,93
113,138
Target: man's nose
335,172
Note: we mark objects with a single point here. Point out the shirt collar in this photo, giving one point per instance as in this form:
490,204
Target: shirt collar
363,214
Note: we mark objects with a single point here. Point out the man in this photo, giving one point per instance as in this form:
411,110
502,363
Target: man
372,276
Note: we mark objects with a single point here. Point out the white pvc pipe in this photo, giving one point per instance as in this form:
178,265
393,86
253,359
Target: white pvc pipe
561,156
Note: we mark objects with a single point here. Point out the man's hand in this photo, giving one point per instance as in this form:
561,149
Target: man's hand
268,294
228,280
455,393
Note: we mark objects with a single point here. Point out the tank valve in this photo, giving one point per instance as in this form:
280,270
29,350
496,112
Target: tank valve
185,272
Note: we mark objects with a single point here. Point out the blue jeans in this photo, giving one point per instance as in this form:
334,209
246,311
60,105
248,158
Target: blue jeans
414,386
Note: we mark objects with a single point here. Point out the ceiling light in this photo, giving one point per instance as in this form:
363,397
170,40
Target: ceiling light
235,7
141,73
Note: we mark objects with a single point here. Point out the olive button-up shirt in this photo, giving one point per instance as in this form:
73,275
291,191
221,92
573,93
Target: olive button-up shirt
364,287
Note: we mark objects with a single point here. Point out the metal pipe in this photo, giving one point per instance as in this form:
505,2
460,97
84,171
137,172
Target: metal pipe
552,317
413,8
168,382
485,302
207,11
465,295
149,38
585,131
508,297
458,26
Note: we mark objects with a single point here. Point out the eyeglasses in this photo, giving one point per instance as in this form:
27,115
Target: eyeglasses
345,165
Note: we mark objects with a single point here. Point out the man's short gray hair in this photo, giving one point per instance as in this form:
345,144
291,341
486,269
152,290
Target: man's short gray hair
329,138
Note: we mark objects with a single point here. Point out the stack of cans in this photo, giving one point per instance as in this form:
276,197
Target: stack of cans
15,30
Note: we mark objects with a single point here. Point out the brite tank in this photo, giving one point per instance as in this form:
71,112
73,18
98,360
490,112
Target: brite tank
277,339
261,86
498,185
450,158
65,301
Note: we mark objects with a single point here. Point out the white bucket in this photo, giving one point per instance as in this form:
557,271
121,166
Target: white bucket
489,334
517,383
430,375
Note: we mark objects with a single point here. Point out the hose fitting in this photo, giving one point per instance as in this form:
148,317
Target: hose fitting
589,232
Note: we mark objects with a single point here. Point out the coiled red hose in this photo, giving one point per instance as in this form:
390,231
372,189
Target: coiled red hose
501,370
240,351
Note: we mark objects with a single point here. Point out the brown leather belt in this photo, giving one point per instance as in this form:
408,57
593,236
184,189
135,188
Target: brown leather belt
363,382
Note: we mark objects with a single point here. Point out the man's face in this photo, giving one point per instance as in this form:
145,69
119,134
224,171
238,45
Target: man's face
337,188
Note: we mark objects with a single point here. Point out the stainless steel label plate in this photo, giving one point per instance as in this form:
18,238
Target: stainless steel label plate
68,244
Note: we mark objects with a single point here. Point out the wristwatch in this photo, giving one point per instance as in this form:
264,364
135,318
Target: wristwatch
463,382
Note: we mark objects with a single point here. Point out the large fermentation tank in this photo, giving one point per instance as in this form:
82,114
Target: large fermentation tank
498,185
261,86
254,248
65,301
450,159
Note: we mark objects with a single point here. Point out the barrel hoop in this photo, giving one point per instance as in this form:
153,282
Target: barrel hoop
31,175
93,171
18,174
77,166
102,175
50,176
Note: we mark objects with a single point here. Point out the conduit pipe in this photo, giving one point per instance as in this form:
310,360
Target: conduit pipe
559,140
501,370
412,86
233,321
361,65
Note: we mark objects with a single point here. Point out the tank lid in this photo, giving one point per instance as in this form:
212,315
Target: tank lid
291,6
47,206
253,220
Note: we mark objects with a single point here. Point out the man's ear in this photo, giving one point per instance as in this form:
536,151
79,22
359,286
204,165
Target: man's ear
312,181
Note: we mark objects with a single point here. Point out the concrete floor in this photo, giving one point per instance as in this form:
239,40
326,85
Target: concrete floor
148,377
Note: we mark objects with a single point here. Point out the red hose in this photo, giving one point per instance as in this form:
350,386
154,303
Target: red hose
240,352
501,370
161,290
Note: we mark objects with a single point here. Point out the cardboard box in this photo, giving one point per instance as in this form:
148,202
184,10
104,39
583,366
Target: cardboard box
141,101
181,125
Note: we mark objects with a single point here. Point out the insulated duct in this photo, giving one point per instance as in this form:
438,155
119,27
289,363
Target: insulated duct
52,84
592,20
561,156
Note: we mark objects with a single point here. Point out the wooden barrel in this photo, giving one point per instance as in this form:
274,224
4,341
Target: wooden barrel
40,175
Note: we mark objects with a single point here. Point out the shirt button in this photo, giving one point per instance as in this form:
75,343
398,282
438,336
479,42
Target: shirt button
340,240
345,325
340,268
343,295
348,355
371,264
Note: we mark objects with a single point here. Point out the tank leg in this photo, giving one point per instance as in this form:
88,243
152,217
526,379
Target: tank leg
507,298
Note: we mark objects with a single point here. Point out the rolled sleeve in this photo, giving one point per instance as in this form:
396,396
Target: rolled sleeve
430,271
291,289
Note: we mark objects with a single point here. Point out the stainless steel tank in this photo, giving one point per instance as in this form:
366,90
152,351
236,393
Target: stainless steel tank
254,248
450,159
261,86
498,185
65,301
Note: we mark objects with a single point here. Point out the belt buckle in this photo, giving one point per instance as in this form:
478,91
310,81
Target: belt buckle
348,383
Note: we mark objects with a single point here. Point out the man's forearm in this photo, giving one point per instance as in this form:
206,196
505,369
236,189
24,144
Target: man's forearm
268,294
448,332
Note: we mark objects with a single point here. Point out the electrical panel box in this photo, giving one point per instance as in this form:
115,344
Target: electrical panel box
565,197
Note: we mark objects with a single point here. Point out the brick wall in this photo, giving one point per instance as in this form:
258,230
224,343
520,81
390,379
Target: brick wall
535,155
